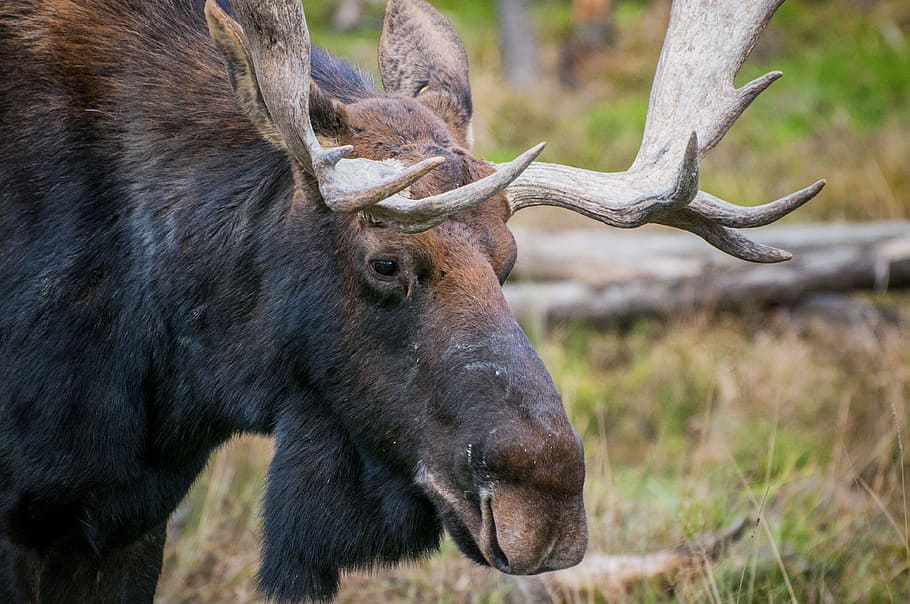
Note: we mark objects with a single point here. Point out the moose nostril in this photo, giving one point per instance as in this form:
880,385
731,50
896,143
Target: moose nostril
493,552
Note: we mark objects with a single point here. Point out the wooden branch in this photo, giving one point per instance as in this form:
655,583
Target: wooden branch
608,276
614,575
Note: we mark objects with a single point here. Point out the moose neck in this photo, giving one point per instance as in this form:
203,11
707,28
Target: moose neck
221,226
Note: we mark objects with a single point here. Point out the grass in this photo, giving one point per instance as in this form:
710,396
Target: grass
692,423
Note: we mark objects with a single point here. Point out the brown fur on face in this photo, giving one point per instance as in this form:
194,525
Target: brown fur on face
511,500
394,127
406,130
522,512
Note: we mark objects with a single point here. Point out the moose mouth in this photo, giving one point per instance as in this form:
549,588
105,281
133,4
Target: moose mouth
484,547
470,518
493,553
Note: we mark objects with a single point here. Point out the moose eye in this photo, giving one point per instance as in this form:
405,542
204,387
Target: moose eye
385,267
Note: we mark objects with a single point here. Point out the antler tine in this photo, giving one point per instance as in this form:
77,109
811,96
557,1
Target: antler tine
412,217
737,217
693,104
707,42
620,201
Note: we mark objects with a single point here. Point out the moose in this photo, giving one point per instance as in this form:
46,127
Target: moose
209,228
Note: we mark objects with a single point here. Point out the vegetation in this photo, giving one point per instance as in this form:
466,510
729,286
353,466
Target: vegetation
688,426
783,415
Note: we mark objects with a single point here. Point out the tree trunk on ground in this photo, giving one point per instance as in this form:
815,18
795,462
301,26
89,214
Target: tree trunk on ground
611,276
517,43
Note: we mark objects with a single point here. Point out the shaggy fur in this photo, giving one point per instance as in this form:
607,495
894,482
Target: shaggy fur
169,278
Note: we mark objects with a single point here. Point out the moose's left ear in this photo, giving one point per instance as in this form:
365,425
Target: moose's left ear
421,55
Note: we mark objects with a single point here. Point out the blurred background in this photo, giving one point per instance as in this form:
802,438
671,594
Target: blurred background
725,393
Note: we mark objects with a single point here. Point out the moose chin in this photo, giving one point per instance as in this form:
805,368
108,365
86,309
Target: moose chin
209,228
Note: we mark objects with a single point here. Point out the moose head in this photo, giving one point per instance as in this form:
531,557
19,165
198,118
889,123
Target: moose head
421,404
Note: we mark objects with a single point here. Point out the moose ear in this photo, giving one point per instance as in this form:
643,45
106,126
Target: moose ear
228,36
421,55
327,115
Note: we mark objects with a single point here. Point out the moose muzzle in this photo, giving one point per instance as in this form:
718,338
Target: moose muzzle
507,478
515,501
532,516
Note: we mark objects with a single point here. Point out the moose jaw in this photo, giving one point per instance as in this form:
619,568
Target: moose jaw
188,253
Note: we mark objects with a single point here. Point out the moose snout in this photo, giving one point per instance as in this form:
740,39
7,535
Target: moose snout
532,510
525,533
510,491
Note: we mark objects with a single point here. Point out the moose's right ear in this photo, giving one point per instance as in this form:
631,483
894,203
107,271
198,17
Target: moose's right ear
420,54
230,39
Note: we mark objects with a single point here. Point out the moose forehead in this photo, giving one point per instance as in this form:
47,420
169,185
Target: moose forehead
396,126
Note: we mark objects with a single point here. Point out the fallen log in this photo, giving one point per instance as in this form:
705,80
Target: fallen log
608,276
613,577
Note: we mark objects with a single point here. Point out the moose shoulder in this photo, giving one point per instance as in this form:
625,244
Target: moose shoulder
207,228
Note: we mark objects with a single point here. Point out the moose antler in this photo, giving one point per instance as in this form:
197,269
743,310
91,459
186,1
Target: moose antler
276,41
693,104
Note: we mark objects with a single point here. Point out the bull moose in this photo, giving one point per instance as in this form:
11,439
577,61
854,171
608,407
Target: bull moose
208,228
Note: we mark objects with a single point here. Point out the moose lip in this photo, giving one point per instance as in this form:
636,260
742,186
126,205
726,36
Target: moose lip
471,525
461,535
481,546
